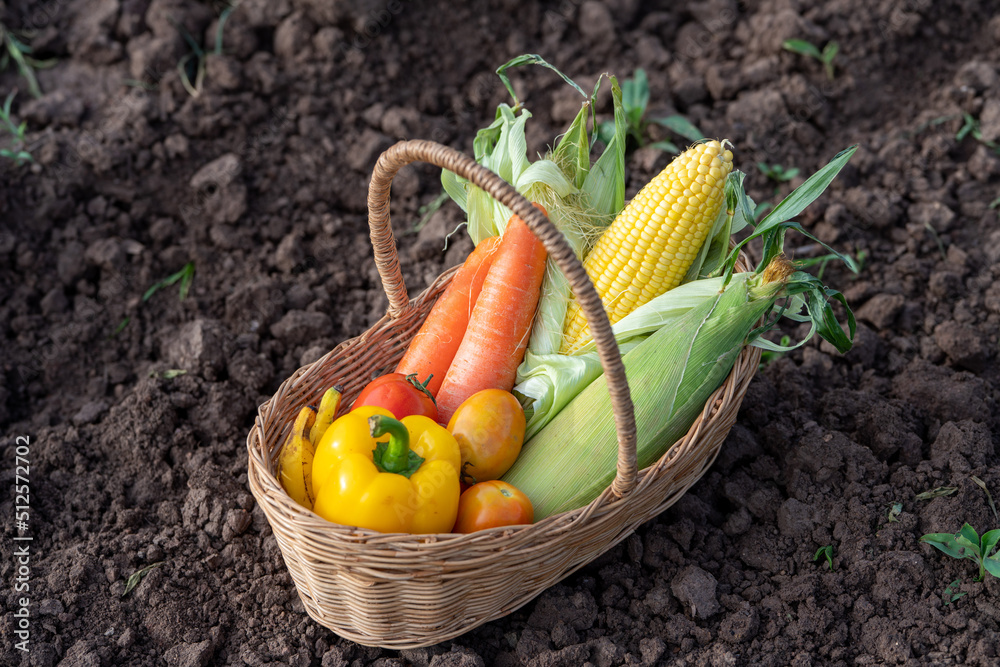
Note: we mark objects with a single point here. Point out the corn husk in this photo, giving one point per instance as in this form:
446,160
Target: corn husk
573,458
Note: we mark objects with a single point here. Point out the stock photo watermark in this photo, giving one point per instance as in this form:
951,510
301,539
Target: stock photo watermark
22,543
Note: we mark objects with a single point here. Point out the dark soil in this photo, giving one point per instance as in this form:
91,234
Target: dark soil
260,182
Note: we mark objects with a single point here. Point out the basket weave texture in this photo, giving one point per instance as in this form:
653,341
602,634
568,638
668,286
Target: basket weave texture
407,591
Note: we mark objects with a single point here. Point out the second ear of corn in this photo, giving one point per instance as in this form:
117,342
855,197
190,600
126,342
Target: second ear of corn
652,243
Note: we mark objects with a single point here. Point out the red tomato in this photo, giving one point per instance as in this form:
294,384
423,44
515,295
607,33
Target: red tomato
492,504
402,395
489,427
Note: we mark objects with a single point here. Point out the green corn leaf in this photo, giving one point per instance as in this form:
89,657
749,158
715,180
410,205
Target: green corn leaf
545,173
827,325
668,146
771,228
830,52
456,188
988,542
743,206
946,542
530,59
572,152
486,139
992,565
635,97
605,131
717,245
713,250
968,537
936,492
681,126
807,291
604,186
802,47
807,193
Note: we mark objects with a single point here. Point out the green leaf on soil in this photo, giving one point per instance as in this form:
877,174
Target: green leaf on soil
989,497
427,210
635,98
185,276
667,146
137,576
681,126
992,565
951,592
947,543
827,553
894,512
937,492
969,538
121,327
802,47
988,542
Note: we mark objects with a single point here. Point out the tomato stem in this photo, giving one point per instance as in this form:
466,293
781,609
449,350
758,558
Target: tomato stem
422,386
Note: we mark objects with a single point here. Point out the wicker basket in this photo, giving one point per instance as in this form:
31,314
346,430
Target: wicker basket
407,591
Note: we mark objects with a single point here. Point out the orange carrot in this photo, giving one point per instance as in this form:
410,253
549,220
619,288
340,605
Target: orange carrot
432,349
498,331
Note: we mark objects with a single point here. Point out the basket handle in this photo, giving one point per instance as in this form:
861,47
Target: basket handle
387,261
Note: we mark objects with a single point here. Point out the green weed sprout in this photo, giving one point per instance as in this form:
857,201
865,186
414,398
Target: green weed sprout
191,66
427,210
777,173
952,593
185,276
827,553
137,576
635,99
13,49
804,48
16,152
967,543
970,126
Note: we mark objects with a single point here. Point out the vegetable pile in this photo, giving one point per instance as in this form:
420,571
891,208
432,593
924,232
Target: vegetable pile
505,358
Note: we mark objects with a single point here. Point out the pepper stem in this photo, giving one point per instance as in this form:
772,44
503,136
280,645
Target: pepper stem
396,455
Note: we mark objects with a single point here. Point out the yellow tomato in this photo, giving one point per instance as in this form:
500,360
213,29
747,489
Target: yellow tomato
490,505
489,427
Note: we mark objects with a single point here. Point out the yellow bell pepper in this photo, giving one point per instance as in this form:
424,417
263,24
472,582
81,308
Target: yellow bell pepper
375,472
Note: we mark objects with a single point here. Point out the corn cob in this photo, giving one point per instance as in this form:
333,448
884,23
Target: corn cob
652,243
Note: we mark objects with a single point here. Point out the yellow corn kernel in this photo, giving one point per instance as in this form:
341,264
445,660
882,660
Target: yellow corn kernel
650,246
